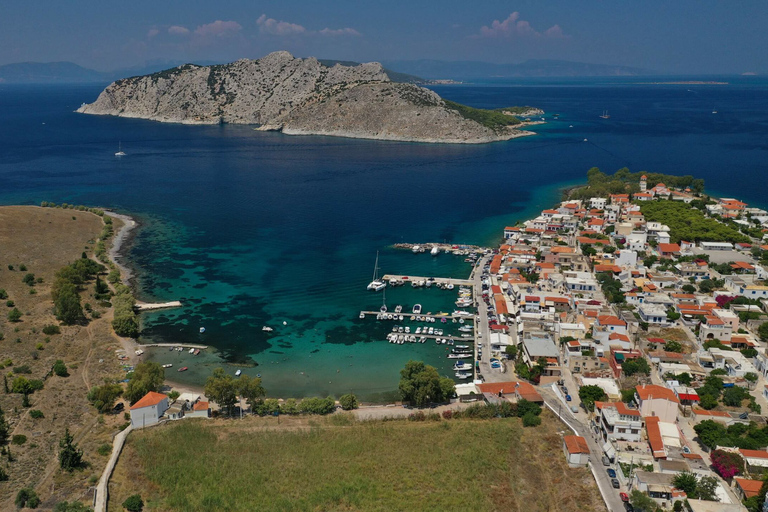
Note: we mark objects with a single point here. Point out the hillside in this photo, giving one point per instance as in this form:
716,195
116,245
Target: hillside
298,96
338,463
44,240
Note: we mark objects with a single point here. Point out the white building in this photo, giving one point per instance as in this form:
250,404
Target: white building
148,410
617,421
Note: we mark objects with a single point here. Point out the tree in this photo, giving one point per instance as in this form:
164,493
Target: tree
147,376
133,503
727,464
531,420
707,488
5,429
641,502
686,481
251,389
684,378
591,394
710,433
14,315
673,315
103,397
525,407
637,365
762,331
222,389
70,456
689,288
511,351
707,401
67,303
60,369
27,497
673,346
627,395
421,385
734,396
348,402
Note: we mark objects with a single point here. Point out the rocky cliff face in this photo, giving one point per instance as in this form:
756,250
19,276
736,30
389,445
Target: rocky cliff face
297,96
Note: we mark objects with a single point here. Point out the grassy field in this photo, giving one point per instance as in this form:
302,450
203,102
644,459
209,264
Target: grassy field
44,240
340,464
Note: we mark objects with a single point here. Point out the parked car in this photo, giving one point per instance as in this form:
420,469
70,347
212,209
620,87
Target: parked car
606,461
615,483
564,390
624,497
119,407
611,473
567,398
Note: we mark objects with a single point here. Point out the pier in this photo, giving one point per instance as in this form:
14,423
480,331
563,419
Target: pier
459,249
435,280
146,306
467,318
182,345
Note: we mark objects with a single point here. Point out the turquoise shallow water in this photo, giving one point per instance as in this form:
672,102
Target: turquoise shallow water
251,229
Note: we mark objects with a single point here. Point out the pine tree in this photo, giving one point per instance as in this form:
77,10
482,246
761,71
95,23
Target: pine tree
71,456
4,428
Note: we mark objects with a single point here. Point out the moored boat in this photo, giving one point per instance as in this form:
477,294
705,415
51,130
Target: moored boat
183,369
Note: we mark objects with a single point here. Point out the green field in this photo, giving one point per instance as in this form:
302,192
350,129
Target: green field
303,464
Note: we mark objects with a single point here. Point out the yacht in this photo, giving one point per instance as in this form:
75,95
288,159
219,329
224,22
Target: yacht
465,328
417,309
463,375
605,115
398,309
714,111
416,249
202,330
269,329
377,284
238,372
435,251
362,315
120,151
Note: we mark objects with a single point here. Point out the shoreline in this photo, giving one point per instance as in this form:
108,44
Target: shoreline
120,239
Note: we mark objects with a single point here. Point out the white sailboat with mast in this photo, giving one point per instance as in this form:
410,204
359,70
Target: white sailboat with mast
605,115
120,151
377,284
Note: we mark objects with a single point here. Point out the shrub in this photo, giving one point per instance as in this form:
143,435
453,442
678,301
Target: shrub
348,402
28,279
104,450
23,267
70,456
417,416
133,503
14,315
727,464
74,506
19,439
22,369
27,497
3,294
448,414
51,329
36,414
60,369
531,420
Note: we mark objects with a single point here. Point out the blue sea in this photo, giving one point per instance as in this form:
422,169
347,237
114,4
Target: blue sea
253,229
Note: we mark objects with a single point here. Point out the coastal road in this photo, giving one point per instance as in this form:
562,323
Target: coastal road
610,495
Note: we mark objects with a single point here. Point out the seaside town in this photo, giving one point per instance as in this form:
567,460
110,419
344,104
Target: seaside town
649,347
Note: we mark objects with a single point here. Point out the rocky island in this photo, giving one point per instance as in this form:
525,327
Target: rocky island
302,96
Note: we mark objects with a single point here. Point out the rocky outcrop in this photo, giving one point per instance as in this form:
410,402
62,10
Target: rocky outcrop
297,96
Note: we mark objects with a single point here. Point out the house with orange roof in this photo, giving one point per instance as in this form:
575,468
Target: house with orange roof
658,401
700,415
148,410
576,450
642,196
199,409
668,250
619,198
714,327
515,390
755,460
746,488
617,421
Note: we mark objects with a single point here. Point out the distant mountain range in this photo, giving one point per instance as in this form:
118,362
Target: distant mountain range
463,70
414,71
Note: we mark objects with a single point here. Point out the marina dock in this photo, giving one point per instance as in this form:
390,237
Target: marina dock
461,249
146,306
182,345
435,280
467,318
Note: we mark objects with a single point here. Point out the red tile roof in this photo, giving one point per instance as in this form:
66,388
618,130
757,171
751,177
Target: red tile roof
576,444
749,487
753,454
200,406
665,248
654,437
611,320
151,398
652,391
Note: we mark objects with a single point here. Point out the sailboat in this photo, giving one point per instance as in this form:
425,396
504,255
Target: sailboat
377,284
605,115
714,111
120,151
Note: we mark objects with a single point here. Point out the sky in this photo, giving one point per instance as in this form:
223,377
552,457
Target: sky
670,37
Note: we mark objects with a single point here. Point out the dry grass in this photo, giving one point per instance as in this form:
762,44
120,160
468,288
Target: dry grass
44,240
319,464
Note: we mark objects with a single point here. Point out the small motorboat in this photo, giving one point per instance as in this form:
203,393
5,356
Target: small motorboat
167,365
191,350
362,316
202,330
238,372
196,352
183,369
269,329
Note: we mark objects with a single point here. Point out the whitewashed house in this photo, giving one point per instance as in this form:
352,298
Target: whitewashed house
148,410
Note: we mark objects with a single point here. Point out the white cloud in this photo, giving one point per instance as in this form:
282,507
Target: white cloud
218,28
152,33
339,32
278,28
178,30
513,26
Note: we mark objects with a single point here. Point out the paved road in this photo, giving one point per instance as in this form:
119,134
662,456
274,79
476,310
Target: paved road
610,495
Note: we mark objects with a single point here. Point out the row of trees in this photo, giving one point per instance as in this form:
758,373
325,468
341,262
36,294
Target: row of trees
125,322
67,286
600,184
714,434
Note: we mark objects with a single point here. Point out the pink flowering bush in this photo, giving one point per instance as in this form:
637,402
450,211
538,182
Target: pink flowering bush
727,464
